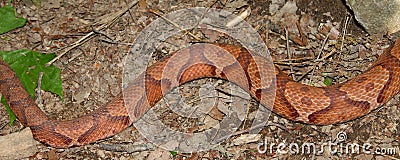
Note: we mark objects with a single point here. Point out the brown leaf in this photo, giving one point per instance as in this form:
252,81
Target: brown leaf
142,5
216,114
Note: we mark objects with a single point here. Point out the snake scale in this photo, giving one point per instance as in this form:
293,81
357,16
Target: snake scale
294,101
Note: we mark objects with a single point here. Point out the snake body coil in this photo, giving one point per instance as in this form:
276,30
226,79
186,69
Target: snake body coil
294,101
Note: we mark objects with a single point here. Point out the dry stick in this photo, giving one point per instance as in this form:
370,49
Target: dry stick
288,52
333,51
38,90
344,32
315,65
102,33
296,59
243,15
323,45
202,17
294,63
107,22
75,44
250,129
173,23
232,95
3,126
318,57
302,35
37,45
131,39
113,42
239,18
80,53
128,148
130,12
212,4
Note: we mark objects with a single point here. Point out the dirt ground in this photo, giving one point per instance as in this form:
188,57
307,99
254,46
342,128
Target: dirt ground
91,73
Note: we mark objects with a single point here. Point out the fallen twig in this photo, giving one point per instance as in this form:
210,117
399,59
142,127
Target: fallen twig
106,23
250,129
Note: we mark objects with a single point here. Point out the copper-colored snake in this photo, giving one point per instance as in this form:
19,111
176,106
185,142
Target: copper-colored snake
294,101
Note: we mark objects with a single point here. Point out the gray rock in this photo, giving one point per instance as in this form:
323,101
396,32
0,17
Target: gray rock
17,145
377,16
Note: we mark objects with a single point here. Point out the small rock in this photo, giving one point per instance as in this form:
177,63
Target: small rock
18,145
101,153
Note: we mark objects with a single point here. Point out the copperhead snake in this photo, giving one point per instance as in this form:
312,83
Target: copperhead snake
294,101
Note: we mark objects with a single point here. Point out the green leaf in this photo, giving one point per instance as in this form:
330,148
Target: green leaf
328,81
28,64
9,111
8,21
173,153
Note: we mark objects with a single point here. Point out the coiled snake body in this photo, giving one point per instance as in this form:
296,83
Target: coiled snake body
294,101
